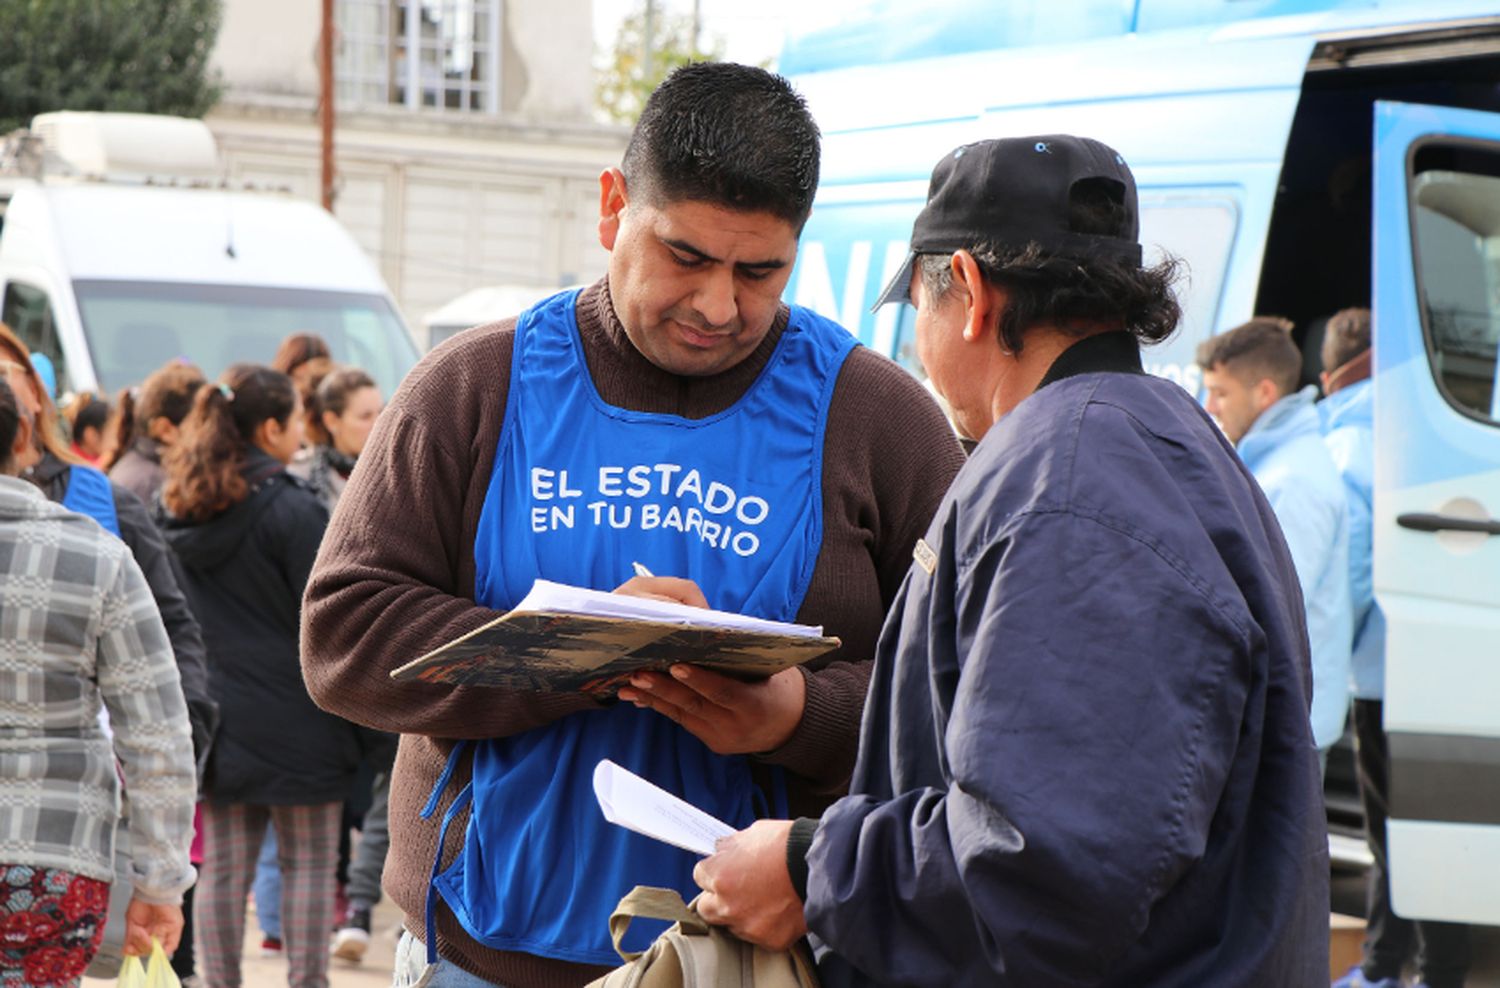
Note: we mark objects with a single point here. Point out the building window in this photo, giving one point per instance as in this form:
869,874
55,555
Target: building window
432,55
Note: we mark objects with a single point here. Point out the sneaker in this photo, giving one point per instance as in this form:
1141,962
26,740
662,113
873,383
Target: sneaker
353,938
1356,979
270,947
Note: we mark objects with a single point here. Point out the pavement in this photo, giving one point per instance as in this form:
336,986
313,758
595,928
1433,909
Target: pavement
375,971
260,971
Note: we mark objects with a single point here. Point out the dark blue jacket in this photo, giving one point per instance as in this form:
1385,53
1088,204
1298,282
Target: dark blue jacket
1085,757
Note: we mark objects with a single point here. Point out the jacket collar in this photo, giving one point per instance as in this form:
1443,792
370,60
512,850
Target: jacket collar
1350,372
1353,404
1291,417
1103,353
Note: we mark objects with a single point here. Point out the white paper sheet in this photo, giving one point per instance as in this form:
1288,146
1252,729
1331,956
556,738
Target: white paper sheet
548,596
631,802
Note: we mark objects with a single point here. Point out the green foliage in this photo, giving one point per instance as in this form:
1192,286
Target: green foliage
142,56
624,83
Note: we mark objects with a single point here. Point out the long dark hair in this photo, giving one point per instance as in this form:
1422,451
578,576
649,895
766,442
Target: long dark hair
49,435
167,393
203,466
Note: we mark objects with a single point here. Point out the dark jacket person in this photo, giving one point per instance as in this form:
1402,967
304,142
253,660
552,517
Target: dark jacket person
246,533
1086,756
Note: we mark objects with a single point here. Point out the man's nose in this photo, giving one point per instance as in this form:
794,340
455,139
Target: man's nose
715,299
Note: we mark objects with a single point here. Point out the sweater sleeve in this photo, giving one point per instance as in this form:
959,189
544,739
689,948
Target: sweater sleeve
884,476
139,685
393,578
158,566
1094,722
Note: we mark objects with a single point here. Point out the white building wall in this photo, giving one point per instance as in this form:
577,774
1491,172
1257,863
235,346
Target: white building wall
443,202
269,46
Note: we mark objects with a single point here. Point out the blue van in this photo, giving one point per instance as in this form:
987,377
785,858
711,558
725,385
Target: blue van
1301,157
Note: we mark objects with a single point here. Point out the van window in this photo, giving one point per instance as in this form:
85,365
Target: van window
28,312
1456,233
135,327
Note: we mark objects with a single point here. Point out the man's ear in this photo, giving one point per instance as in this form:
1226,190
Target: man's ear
612,202
1266,394
979,305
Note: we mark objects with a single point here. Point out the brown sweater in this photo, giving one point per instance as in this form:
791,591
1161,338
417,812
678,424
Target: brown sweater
395,576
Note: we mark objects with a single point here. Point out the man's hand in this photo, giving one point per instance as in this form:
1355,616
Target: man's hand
145,921
730,716
746,887
668,588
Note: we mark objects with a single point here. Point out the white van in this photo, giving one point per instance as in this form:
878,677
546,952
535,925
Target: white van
121,249
1302,156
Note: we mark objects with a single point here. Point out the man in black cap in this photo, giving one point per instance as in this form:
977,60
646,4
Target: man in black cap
1085,756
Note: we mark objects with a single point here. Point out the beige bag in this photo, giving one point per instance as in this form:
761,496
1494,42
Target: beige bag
693,954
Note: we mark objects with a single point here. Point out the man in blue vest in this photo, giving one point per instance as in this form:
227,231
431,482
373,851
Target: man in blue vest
1250,375
1086,758
676,414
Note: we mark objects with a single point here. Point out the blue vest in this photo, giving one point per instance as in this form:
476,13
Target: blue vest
580,489
89,494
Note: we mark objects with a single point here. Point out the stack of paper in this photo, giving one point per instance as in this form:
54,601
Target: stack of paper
559,598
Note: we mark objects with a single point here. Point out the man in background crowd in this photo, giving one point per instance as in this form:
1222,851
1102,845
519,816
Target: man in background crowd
1250,374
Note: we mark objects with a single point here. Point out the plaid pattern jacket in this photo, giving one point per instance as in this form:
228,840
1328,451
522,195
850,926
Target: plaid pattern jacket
78,628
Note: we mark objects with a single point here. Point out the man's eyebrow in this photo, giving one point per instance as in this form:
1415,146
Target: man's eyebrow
772,264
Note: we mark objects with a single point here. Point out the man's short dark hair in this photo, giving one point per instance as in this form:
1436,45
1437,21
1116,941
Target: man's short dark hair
1261,349
730,135
1346,336
1072,293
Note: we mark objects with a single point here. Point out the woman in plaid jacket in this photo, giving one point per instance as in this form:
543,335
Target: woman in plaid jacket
79,630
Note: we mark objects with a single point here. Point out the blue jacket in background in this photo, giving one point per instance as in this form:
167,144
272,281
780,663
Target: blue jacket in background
1349,431
1284,450
1085,757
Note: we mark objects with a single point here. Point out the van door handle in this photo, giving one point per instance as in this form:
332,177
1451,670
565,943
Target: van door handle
1420,522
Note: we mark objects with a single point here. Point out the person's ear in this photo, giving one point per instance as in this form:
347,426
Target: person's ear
330,422
162,430
612,202
268,433
20,449
1266,394
979,304
1324,378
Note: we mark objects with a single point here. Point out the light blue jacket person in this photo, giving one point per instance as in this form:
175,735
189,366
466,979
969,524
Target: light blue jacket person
1285,451
1348,430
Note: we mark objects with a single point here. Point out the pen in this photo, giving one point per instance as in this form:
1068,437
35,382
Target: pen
641,570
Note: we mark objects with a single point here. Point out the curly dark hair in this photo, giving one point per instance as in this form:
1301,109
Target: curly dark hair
1044,288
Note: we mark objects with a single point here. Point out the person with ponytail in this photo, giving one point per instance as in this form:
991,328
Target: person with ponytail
146,422
48,464
246,531
342,412
81,634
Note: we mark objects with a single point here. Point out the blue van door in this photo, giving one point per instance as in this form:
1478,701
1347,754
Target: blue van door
1437,501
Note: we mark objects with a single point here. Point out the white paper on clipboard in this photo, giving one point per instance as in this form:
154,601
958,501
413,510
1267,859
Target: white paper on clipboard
631,802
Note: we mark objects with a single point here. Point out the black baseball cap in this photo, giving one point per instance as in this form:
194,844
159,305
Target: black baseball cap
1015,191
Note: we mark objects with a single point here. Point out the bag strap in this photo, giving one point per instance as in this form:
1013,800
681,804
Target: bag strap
646,902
